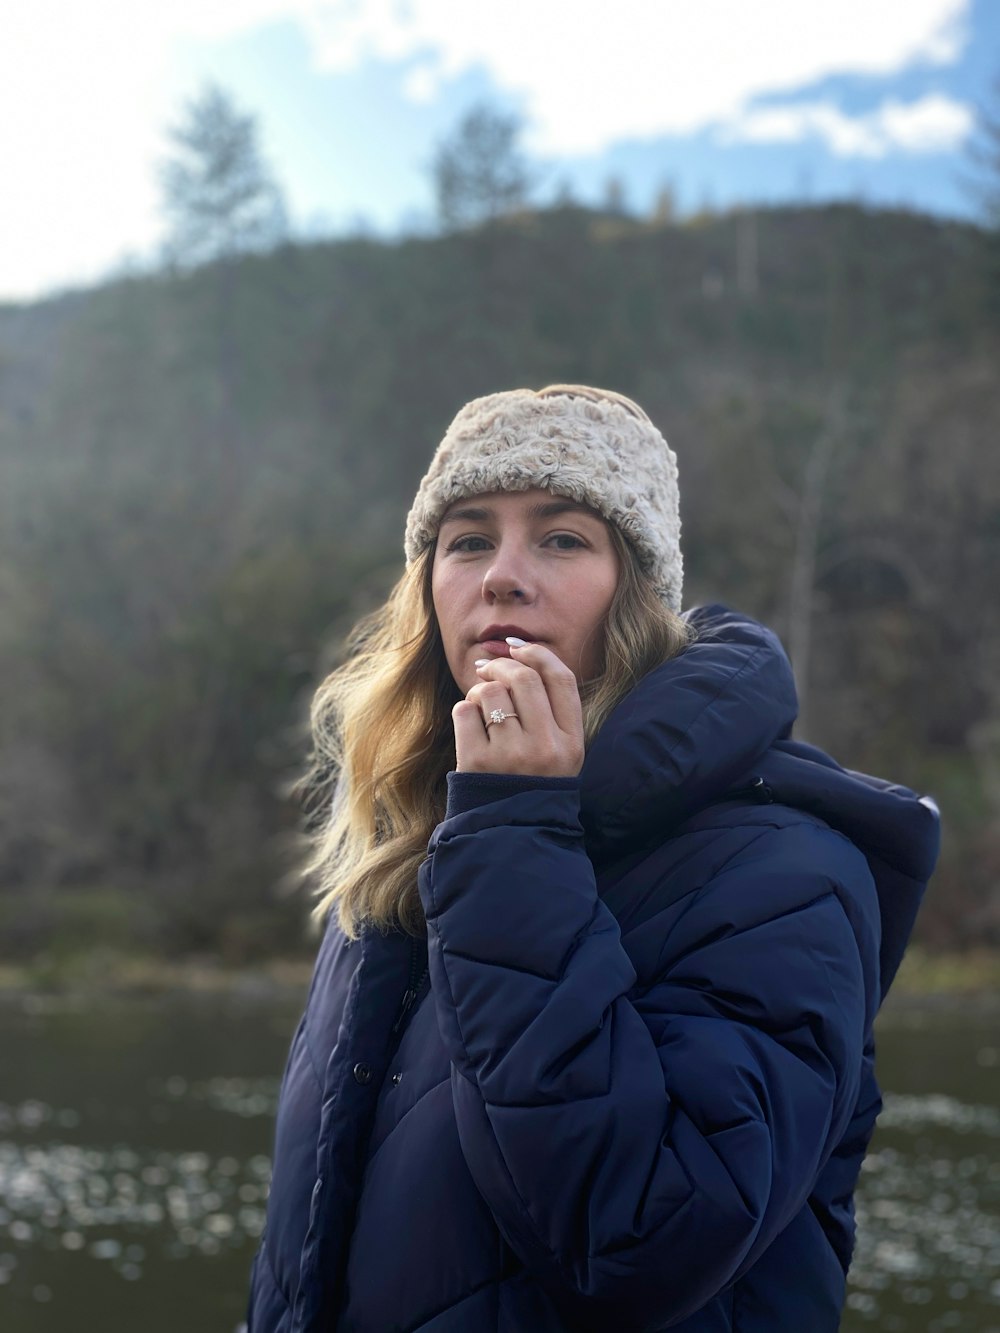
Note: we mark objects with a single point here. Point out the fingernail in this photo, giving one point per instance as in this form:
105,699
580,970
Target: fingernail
484,661
517,643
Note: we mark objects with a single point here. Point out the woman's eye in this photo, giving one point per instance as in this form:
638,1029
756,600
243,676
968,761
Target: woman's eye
470,543
565,541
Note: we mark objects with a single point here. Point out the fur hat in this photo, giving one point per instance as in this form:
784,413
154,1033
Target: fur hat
592,446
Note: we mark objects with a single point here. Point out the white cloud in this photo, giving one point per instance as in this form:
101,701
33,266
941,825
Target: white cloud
599,73
421,84
86,89
70,135
932,124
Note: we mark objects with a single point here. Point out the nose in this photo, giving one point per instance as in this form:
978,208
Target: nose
508,577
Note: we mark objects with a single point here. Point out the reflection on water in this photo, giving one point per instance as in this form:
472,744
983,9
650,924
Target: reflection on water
134,1164
62,1195
930,1222
130,1153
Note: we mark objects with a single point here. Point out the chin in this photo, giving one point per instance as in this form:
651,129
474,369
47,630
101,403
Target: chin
464,677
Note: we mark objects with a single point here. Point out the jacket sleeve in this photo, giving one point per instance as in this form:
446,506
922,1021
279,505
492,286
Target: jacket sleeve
644,1145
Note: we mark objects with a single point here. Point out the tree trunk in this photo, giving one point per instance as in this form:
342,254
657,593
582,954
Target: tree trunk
802,585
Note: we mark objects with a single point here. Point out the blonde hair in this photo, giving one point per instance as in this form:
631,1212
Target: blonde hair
383,740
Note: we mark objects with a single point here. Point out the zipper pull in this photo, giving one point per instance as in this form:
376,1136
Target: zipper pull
408,999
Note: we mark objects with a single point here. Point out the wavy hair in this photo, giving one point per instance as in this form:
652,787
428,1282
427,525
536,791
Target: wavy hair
383,740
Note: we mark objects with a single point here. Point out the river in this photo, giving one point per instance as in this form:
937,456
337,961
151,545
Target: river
134,1141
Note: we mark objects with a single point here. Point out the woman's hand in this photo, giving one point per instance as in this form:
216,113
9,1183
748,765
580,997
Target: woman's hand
545,739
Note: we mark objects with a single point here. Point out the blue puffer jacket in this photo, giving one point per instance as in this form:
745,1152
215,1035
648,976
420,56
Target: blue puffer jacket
631,1085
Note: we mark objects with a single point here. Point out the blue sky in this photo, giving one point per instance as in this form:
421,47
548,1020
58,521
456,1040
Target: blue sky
725,102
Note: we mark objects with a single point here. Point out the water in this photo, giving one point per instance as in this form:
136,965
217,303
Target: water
134,1140
928,1251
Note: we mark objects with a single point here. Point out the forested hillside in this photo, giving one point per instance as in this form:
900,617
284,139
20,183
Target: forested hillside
203,480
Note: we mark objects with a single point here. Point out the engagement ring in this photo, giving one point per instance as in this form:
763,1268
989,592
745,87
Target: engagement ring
498,715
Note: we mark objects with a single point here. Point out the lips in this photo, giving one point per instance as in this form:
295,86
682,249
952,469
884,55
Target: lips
501,632
493,638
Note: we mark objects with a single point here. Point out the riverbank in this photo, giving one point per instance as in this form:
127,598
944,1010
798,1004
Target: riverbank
105,972
934,978
925,974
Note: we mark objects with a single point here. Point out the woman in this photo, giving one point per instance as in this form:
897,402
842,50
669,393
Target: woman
600,1055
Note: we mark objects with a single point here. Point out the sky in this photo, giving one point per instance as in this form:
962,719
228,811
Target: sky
724,102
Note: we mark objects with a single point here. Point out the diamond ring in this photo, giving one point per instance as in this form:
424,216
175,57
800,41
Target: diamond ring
498,715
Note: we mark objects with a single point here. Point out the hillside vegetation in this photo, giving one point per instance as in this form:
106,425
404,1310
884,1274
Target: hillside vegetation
203,481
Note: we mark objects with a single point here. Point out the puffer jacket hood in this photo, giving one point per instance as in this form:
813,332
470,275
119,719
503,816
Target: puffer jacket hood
898,831
726,736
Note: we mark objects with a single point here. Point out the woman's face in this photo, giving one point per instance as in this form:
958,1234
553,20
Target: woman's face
528,564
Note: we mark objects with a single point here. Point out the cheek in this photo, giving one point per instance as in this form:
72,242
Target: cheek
604,591
437,588
610,588
602,595
444,596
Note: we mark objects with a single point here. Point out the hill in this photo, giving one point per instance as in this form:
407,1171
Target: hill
203,480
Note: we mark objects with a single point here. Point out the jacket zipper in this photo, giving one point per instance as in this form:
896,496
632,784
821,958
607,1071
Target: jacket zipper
758,790
413,990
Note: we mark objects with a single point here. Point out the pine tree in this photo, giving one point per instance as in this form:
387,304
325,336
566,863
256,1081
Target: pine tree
479,172
219,197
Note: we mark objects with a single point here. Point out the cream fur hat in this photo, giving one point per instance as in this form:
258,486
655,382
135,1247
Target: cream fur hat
592,446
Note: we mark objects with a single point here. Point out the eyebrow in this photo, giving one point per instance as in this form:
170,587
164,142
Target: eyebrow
544,509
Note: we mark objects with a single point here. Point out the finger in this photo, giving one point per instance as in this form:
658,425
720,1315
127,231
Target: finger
490,694
471,742
559,682
525,688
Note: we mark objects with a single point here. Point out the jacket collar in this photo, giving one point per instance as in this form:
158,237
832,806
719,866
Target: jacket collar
687,731
703,725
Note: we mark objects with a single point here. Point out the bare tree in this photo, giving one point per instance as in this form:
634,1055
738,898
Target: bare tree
615,197
219,197
806,510
479,171
984,156
221,202
665,205
746,252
